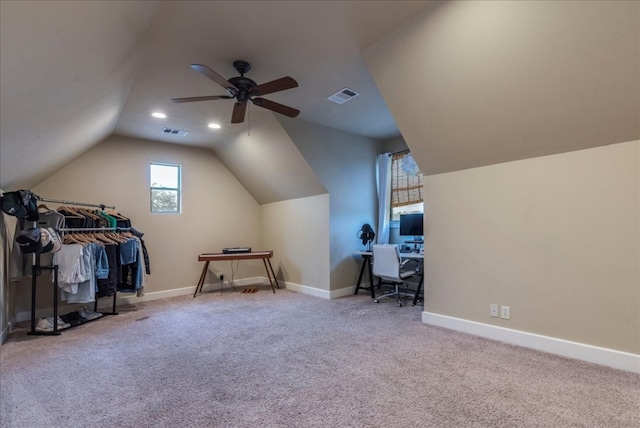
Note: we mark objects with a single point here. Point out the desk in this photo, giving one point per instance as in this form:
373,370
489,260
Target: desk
214,257
366,263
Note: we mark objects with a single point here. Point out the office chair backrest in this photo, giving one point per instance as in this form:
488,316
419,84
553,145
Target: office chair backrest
386,262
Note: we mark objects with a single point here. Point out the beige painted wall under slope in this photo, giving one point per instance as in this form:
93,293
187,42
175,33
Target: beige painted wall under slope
296,230
66,69
267,163
474,83
217,210
556,238
345,164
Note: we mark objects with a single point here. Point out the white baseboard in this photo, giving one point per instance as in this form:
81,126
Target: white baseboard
305,289
317,292
579,351
342,292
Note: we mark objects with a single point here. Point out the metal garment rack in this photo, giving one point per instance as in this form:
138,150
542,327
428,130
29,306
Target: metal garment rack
36,265
81,204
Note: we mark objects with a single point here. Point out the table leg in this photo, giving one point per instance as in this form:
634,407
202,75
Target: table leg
203,275
274,275
373,292
265,261
364,262
420,283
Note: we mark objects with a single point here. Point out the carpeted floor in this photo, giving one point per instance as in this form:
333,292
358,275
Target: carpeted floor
291,360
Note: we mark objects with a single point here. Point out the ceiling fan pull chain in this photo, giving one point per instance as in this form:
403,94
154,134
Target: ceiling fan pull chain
249,119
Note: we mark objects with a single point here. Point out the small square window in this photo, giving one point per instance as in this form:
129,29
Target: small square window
165,184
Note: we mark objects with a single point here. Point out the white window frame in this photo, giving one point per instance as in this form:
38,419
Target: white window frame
178,189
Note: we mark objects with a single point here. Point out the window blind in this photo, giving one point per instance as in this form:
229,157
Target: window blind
406,189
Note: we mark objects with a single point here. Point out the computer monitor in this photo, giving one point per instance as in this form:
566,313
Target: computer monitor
412,225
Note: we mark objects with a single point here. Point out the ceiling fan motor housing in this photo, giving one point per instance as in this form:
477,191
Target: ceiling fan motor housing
244,85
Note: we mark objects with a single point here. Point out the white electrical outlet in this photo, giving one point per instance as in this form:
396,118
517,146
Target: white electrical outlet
216,273
493,310
506,312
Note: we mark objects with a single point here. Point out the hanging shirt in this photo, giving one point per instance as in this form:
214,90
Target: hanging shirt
71,267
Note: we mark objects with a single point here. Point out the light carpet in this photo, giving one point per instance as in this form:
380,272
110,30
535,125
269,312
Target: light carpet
292,360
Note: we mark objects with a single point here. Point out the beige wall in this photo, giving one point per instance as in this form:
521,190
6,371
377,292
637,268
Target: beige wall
267,162
217,210
474,83
345,164
296,230
556,238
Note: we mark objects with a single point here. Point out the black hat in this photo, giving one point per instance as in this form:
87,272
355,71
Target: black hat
12,204
21,204
30,240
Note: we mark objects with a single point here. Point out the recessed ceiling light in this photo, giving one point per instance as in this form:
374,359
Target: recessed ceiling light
159,115
214,126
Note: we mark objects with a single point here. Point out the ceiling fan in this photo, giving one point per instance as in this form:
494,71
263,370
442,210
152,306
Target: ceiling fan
244,89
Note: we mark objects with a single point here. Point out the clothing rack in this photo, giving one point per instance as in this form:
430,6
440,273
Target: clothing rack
36,266
82,204
94,229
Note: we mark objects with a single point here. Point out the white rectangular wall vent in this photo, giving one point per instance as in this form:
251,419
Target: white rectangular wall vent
177,132
343,95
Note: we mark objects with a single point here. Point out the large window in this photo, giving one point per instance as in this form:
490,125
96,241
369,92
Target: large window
406,186
165,188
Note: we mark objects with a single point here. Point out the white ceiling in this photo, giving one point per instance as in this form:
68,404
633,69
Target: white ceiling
73,73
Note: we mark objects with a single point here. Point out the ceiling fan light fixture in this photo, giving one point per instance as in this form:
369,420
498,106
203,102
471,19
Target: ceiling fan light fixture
214,126
159,115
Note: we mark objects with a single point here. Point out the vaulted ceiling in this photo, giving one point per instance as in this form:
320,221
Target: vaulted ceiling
73,73
465,83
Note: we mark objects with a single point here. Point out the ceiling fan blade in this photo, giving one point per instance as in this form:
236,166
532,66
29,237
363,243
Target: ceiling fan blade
238,112
275,86
278,108
206,71
207,98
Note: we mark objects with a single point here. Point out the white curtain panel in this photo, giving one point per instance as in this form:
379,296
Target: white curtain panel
383,178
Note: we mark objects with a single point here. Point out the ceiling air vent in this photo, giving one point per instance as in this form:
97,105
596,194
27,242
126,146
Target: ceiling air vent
177,132
343,95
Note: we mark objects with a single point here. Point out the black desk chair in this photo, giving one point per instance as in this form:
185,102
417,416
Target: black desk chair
388,266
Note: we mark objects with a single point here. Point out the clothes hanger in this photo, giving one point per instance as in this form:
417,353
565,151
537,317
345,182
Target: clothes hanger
117,215
70,239
70,212
102,237
88,212
116,237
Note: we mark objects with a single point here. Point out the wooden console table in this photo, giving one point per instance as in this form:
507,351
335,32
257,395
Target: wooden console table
214,257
